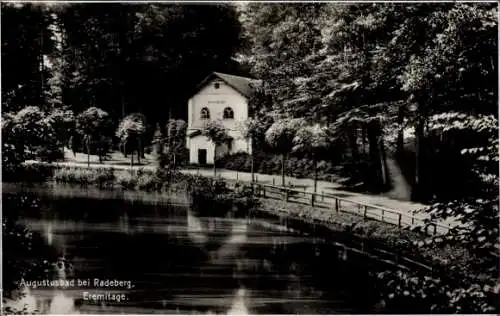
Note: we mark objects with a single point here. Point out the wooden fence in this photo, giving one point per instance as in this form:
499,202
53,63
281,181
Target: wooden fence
345,205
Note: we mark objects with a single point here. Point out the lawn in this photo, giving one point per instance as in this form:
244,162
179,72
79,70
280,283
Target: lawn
114,158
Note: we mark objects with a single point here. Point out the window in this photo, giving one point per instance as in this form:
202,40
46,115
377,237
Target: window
205,114
217,85
228,114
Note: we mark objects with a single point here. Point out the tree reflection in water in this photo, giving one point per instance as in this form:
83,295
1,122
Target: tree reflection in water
180,259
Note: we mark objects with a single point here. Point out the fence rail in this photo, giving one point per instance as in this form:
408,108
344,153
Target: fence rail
345,205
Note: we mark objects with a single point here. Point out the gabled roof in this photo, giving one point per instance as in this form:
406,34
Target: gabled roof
240,84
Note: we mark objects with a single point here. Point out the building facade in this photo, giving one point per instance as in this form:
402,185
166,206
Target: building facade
224,98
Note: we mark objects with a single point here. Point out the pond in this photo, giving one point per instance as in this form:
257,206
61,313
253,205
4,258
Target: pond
144,253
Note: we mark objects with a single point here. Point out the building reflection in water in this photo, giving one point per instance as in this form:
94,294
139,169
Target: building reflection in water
199,229
239,306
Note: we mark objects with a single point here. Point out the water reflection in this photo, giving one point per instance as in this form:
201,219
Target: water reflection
180,261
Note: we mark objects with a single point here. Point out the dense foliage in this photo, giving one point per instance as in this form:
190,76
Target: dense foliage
271,164
94,127
122,58
218,135
350,86
373,72
131,131
280,136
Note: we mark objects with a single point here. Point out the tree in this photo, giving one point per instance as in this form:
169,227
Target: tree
176,138
159,147
31,130
92,123
26,43
130,131
424,55
12,153
217,134
311,140
281,39
250,129
280,137
62,121
118,52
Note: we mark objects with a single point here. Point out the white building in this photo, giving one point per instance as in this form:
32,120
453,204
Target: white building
219,97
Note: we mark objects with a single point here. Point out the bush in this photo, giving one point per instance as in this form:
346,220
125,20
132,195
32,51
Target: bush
49,154
145,180
271,164
127,180
83,176
28,172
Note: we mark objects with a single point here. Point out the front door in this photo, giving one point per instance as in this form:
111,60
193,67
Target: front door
202,156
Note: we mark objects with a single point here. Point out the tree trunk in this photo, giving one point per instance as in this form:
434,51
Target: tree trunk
215,168
139,151
382,158
132,159
419,136
400,140
141,148
88,151
123,100
374,130
363,141
283,169
352,135
251,167
251,160
100,149
352,138
315,163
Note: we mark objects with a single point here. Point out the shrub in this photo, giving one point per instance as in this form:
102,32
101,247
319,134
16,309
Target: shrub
83,176
49,154
127,180
28,172
149,182
271,164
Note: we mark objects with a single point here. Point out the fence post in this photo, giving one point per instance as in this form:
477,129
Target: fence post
337,205
412,219
399,220
382,215
236,175
312,199
364,212
256,178
286,195
304,190
435,229
273,181
322,196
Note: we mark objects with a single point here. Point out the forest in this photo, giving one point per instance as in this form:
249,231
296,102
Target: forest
349,86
